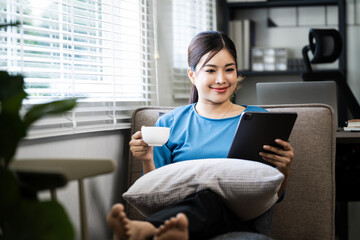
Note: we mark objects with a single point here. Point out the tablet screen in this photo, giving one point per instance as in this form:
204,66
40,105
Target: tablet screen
256,129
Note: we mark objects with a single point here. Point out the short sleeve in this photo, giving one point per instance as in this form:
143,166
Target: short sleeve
162,155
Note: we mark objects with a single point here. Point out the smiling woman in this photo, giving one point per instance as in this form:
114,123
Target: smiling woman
214,75
215,81
98,51
199,131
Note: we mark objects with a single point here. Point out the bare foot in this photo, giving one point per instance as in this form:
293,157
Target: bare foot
176,228
126,229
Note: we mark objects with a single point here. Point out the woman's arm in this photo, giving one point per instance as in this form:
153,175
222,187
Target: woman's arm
142,151
281,158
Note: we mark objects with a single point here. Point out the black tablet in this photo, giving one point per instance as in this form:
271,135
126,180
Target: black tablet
256,129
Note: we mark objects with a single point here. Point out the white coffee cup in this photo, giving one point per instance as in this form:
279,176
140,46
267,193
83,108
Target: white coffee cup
155,136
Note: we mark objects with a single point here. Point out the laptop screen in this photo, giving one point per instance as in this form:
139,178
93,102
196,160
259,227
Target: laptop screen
324,92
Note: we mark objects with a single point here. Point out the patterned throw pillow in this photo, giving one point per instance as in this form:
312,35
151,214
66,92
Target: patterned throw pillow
249,188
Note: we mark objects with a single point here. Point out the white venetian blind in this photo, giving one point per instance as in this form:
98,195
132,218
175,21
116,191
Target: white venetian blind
189,18
100,51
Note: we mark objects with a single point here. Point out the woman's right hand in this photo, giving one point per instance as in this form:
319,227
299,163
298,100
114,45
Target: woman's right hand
140,149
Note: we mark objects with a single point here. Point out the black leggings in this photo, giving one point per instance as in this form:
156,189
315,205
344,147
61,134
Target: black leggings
207,214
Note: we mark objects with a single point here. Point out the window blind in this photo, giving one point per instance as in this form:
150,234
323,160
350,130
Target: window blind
100,51
189,18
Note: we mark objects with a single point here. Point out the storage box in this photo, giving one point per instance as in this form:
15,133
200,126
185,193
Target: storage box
269,59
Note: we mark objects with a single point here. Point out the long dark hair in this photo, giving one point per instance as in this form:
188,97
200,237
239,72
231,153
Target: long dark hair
203,43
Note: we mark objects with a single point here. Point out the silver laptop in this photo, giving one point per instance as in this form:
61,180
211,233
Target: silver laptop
297,92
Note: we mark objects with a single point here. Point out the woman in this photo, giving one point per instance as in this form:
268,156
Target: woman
202,129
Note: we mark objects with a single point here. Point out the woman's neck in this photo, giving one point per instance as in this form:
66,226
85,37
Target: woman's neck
218,111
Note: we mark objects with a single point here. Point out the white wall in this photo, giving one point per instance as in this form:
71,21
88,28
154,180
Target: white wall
353,69
165,38
164,44
353,46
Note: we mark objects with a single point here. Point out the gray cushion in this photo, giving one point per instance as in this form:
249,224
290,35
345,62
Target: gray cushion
248,188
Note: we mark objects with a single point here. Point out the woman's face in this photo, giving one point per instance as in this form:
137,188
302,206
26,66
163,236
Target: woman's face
216,80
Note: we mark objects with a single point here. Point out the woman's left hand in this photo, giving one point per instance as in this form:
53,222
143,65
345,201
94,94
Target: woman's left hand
280,157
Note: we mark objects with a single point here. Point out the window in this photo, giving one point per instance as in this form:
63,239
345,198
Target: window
100,51
189,18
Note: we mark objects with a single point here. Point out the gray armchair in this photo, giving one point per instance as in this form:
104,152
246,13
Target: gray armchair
308,211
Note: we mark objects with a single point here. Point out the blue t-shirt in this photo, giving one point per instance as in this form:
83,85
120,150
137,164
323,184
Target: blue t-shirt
195,137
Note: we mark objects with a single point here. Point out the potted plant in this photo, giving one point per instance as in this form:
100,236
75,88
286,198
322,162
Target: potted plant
22,214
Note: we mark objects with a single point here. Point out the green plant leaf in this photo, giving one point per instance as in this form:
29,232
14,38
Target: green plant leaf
10,86
9,192
12,105
38,220
12,131
38,111
20,217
